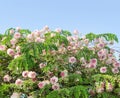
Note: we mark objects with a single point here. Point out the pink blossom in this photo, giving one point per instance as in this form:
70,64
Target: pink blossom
25,74
13,41
100,45
10,52
18,82
72,60
53,80
2,47
64,73
41,84
17,35
116,64
76,32
115,70
92,65
6,78
93,61
15,95
56,86
103,69
42,65
58,30
32,74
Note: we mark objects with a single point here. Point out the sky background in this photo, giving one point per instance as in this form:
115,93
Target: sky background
98,16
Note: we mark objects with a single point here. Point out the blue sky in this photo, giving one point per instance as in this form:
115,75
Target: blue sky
98,16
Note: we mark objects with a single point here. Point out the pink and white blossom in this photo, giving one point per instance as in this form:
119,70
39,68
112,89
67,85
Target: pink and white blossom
72,60
2,47
25,74
42,65
18,82
32,74
53,80
103,69
10,52
41,84
56,86
7,78
64,73
93,61
13,41
17,35
115,70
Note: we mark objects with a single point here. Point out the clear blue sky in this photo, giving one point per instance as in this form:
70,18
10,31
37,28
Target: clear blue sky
98,16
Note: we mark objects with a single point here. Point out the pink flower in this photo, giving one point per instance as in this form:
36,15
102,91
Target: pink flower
100,45
13,41
64,73
25,74
17,35
93,61
42,65
10,52
41,84
92,65
6,78
53,80
103,69
72,60
115,70
56,86
2,47
116,64
32,74
15,95
18,82
58,30
76,32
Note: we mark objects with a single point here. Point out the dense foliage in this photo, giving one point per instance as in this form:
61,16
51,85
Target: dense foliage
58,64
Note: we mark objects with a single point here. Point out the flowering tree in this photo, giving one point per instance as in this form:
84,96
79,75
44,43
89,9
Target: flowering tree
56,64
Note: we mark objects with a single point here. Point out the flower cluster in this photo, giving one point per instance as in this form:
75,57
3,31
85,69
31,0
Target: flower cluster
46,61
